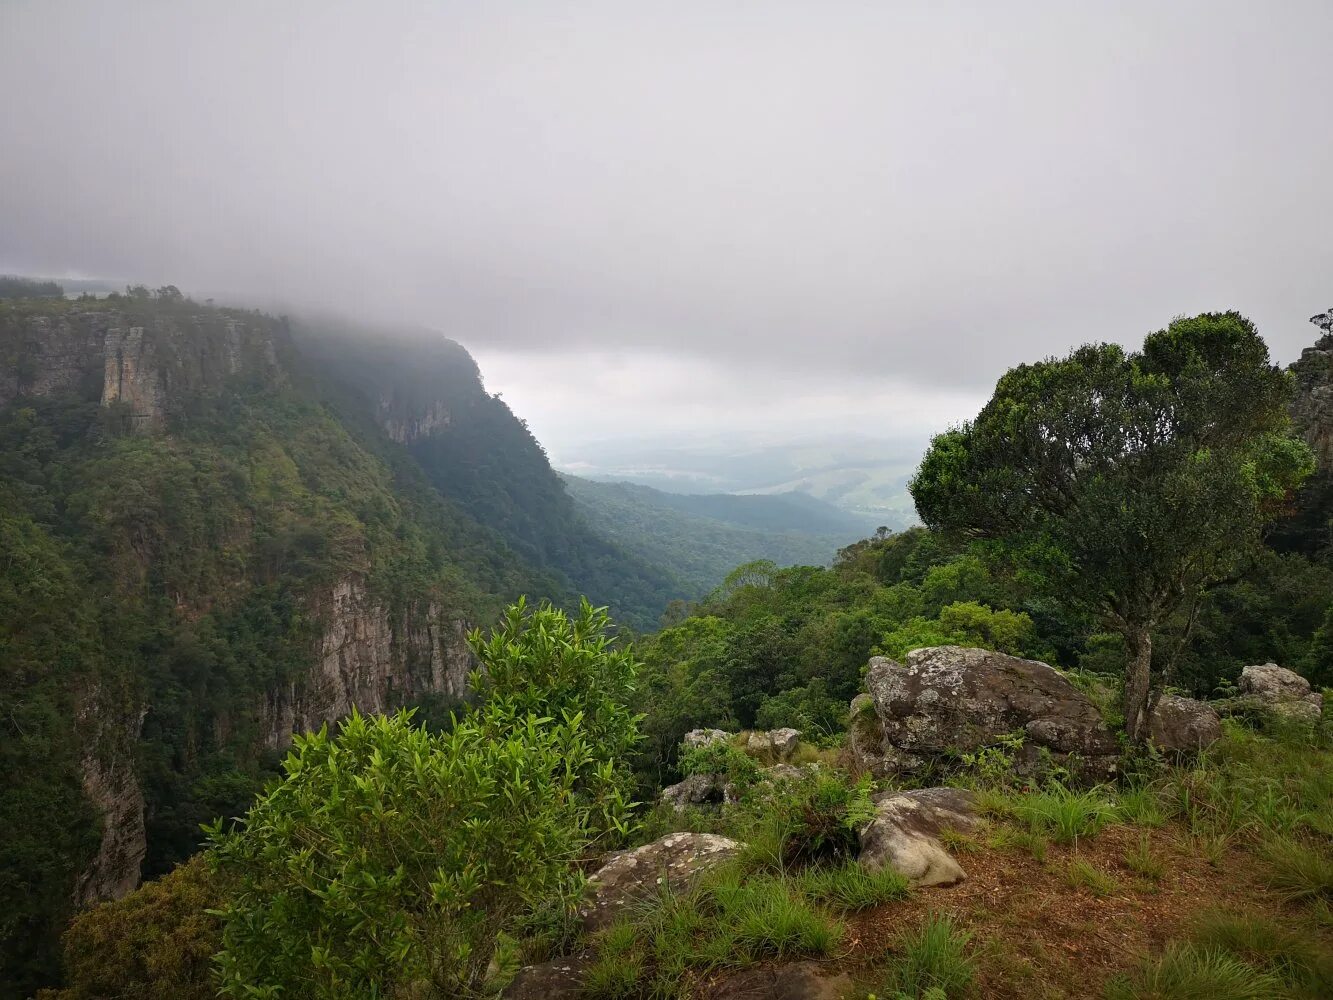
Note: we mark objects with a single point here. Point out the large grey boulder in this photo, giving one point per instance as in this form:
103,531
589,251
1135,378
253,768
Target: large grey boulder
632,877
904,835
699,790
702,737
774,745
1183,725
1268,687
945,700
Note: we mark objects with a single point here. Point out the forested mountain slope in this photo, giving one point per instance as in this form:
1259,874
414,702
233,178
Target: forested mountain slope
205,550
426,393
700,538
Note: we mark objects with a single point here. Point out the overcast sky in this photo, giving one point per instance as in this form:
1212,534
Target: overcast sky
760,218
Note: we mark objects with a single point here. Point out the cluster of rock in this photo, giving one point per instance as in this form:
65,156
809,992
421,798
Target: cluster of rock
773,747
1277,690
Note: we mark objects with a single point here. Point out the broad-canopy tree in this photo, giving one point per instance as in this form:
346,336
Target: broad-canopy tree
1126,482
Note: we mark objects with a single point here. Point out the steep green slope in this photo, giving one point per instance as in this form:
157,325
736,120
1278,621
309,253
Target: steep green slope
197,555
701,538
426,393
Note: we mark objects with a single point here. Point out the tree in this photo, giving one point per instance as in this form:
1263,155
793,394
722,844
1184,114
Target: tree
1125,482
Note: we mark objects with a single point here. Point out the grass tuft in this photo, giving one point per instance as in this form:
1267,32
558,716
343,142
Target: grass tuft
1140,859
1295,956
1081,874
1064,814
935,960
1298,872
1188,972
851,888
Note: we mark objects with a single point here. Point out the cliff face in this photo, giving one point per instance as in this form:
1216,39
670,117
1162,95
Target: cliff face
369,660
1312,410
152,364
288,566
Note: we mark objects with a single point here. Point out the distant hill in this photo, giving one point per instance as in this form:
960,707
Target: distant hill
699,538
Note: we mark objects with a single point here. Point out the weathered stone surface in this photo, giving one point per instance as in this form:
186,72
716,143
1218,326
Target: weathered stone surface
904,835
368,660
1268,687
1183,725
699,790
773,745
553,980
630,877
112,787
702,737
949,699
795,981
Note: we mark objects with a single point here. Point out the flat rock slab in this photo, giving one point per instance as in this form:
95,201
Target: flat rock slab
904,835
554,980
633,877
796,981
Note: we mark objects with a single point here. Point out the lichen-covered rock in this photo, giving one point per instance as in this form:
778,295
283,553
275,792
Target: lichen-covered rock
949,699
773,745
629,877
553,980
699,790
1268,687
793,981
696,738
1183,725
904,835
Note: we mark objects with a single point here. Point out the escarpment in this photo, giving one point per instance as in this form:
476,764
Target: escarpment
236,560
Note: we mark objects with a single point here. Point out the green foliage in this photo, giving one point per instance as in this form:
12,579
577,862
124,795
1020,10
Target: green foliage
1083,874
934,960
14,287
725,921
1299,959
851,888
816,818
1125,482
159,941
391,858
1187,972
1061,813
1299,871
1141,860
724,758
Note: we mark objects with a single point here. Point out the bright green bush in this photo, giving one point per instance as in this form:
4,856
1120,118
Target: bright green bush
724,758
390,858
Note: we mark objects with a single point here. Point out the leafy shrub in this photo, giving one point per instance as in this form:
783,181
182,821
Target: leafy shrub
724,758
158,941
934,957
816,818
390,858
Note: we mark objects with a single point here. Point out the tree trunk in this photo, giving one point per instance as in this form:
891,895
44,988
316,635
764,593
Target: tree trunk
1138,683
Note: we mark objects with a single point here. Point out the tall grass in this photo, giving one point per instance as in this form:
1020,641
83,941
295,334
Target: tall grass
934,959
1189,972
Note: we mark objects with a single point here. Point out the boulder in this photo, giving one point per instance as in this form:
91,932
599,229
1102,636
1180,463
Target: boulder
794,981
1273,683
774,745
554,980
1183,725
699,790
702,737
949,699
1270,688
904,835
630,877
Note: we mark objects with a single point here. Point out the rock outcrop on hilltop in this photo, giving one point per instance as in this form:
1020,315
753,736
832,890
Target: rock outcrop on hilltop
946,700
